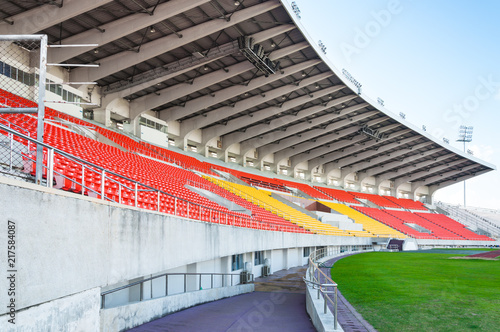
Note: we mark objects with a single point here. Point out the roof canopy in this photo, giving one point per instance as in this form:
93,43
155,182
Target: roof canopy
181,58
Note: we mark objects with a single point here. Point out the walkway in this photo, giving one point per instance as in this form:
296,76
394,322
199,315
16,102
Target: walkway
278,304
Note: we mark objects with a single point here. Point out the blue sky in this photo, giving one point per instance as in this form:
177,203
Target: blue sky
435,61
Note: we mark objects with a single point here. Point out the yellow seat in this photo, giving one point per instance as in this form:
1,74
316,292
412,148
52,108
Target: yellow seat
370,225
263,199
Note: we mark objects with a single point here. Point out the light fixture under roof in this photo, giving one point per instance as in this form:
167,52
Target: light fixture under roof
273,44
205,67
256,54
236,3
152,29
198,55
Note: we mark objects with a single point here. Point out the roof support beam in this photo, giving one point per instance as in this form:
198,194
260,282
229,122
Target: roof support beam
196,105
259,129
301,147
318,147
436,168
331,140
321,149
452,173
43,17
377,160
123,60
403,178
120,28
406,161
350,155
163,74
234,124
435,187
275,141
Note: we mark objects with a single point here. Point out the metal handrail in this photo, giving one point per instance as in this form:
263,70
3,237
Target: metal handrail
254,200
314,282
166,275
222,217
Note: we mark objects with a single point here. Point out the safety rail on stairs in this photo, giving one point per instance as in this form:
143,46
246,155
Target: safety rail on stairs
316,279
225,280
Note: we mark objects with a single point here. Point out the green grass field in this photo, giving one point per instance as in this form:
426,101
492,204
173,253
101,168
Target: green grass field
422,291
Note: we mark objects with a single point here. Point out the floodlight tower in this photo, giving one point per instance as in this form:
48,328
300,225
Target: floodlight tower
465,136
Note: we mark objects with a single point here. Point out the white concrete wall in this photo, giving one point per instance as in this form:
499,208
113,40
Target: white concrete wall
118,106
71,109
422,243
234,148
126,317
314,307
69,244
174,128
195,136
153,136
94,244
76,313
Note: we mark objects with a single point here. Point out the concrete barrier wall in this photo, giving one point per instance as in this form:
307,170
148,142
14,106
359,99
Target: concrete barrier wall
76,313
68,243
423,243
315,309
129,316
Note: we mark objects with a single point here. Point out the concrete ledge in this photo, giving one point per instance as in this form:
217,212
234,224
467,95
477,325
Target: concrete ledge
315,308
76,312
132,315
465,243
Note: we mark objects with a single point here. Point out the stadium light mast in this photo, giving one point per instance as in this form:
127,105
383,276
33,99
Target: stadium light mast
465,136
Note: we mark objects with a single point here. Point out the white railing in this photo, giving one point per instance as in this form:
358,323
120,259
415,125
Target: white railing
95,181
211,281
316,279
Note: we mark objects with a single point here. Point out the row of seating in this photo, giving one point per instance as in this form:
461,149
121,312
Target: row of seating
161,176
173,180
438,225
453,226
264,200
260,181
369,224
309,190
393,222
256,210
439,232
339,195
376,199
407,203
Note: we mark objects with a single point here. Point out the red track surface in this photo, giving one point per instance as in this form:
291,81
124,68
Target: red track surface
489,254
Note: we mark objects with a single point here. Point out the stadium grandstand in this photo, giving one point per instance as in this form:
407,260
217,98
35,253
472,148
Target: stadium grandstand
160,154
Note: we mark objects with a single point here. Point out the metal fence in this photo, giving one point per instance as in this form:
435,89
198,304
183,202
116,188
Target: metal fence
23,63
161,285
62,170
316,279
19,74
